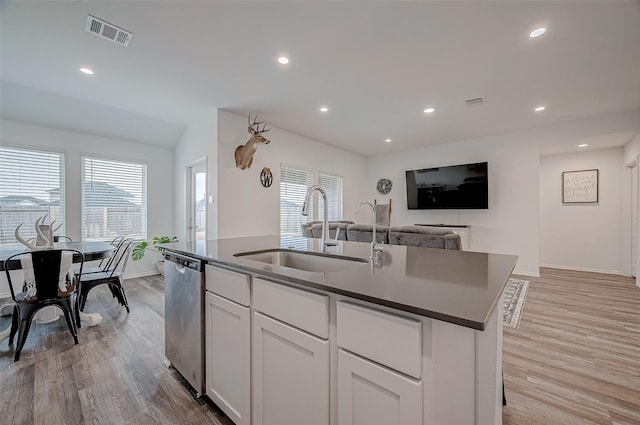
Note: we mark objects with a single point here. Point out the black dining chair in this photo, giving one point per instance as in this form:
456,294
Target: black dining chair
62,238
112,277
106,263
43,274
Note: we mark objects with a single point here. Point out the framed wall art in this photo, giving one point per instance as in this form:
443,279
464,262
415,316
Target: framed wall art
579,187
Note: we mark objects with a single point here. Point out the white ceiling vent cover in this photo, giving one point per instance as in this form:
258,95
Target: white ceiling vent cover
476,101
108,31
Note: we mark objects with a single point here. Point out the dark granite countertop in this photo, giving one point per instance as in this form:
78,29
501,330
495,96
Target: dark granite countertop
458,287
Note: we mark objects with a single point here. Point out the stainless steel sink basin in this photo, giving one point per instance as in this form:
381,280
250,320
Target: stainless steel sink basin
307,261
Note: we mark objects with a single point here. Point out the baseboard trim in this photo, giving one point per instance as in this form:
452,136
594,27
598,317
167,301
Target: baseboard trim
584,269
142,274
531,274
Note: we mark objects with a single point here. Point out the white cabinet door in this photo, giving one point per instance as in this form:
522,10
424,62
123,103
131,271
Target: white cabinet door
228,359
290,375
370,394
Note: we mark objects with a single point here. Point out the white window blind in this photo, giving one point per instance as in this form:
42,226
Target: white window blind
332,185
114,199
31,185
293,188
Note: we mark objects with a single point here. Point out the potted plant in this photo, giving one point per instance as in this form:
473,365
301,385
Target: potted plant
140,249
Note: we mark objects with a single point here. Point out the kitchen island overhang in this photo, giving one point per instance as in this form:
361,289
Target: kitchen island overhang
458,287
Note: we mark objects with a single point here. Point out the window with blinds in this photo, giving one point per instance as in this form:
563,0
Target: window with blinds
332,185
114,199
294,184
31,185
293,188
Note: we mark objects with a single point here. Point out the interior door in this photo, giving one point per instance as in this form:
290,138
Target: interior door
197,202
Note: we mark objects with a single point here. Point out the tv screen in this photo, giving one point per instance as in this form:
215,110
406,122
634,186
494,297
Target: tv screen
454,187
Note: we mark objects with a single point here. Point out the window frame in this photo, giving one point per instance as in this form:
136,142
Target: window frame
329,174
62,186
145,194
315,180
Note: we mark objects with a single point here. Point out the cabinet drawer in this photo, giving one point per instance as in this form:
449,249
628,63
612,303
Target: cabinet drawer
386,338
229,284
305,310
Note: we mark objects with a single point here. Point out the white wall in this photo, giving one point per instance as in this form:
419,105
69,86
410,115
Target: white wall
245,208
631,153
510,225
582,236
160,179
198,141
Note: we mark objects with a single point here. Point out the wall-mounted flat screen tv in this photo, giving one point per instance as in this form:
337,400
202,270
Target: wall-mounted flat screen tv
454,187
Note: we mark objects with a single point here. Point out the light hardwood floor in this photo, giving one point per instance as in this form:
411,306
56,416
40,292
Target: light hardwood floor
117,374
575,359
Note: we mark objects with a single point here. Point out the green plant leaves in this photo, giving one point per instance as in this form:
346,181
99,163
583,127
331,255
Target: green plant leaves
140,249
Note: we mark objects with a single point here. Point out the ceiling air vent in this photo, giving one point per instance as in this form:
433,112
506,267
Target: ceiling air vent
108,31
476,101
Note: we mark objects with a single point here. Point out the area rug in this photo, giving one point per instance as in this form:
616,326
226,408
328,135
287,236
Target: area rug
514,296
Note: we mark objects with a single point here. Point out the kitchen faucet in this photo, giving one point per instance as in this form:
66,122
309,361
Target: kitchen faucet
325,224
374,244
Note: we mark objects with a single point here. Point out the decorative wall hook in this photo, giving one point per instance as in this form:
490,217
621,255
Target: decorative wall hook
266,178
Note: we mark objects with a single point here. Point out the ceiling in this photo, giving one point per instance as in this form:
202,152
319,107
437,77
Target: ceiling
375,65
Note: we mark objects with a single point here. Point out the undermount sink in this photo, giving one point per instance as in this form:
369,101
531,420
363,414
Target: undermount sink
307,261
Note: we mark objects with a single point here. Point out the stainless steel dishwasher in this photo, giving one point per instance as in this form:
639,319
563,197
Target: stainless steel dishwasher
183,313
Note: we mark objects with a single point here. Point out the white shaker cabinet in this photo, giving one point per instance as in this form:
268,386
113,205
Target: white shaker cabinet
370,394
290,375
379,367
228,357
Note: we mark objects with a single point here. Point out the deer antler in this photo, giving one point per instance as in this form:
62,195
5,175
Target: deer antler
31,246
256,124
47,239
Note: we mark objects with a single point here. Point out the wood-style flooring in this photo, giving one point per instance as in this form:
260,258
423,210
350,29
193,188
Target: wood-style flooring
117,374
575,359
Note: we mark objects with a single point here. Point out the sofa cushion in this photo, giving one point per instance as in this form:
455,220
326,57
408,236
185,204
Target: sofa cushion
424,236
316,230
364,233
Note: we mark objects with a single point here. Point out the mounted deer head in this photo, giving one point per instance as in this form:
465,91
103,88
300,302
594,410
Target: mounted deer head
244,153
48,238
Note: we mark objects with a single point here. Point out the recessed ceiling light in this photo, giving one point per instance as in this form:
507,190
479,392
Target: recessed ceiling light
429,110
387,140
283,60
324,109
537,32
86,71
539,109
584,145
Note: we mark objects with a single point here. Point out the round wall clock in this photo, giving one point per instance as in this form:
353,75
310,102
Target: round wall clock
384,186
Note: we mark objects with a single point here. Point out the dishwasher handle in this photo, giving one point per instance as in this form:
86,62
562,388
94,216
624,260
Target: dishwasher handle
183,262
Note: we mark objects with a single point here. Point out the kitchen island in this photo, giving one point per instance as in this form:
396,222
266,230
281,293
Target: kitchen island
412,338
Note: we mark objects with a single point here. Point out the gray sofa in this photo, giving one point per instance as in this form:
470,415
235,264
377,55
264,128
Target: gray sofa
424,236
421,236
364,233
316,230
313,229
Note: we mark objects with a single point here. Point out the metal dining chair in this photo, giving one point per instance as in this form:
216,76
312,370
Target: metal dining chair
45,283
113,277
105,264
62,238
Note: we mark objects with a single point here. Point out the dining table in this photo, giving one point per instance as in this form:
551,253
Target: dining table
92,250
